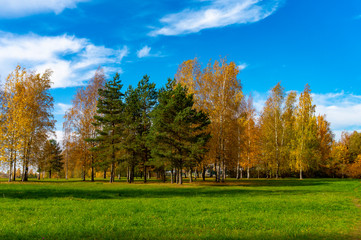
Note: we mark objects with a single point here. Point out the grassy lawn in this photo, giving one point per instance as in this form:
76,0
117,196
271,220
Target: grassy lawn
253,209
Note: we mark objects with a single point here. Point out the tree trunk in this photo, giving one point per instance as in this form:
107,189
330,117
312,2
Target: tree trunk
105,174
132,173
112,168
241,173
10,173
217,172
237,169
145,173
176,175
248,175
92,174
14,178
66,165
204,173
301,173
92,169
224,173
25,179
190,176
180,176
83,173
49,174
164,176
171,176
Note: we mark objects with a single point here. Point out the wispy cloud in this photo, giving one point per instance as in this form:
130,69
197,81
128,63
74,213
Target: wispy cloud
73,60
21,8
242,66
144,52
218,13
61,108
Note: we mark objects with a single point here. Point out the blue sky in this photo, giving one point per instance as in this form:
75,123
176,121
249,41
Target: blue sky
291,41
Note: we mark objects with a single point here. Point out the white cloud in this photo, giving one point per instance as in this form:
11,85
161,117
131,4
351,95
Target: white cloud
341,109
59,136
61,108
123,53
21,8
144,52
242,66
73,60
218,13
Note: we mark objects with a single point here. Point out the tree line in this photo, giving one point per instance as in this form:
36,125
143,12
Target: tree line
200,124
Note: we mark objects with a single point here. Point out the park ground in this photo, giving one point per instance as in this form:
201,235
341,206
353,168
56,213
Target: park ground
237,209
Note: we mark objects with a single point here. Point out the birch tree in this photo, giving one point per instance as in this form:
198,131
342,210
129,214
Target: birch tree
79,121
305,132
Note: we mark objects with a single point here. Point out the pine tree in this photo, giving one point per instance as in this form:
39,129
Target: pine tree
178,134
109,119
147,98
53,157
131,143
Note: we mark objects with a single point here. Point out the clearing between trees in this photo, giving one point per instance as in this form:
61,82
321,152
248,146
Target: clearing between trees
237,209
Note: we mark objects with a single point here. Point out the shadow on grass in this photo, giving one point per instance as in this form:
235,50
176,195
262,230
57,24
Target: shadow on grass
94,191
154,234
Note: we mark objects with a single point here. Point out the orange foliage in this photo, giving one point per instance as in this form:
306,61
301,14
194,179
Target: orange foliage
354,169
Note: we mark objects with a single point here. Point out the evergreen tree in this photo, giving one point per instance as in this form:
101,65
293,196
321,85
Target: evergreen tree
178,134
147,97
110,111
139,103
131,120
52,153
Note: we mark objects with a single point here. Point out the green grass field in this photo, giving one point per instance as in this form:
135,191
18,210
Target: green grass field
253,209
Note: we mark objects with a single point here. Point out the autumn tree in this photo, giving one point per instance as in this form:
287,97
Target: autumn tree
79,121
250,137
354,169
305,133
288,130
340,159
272,129
353,143
325,140
11,118
218,92
27,117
